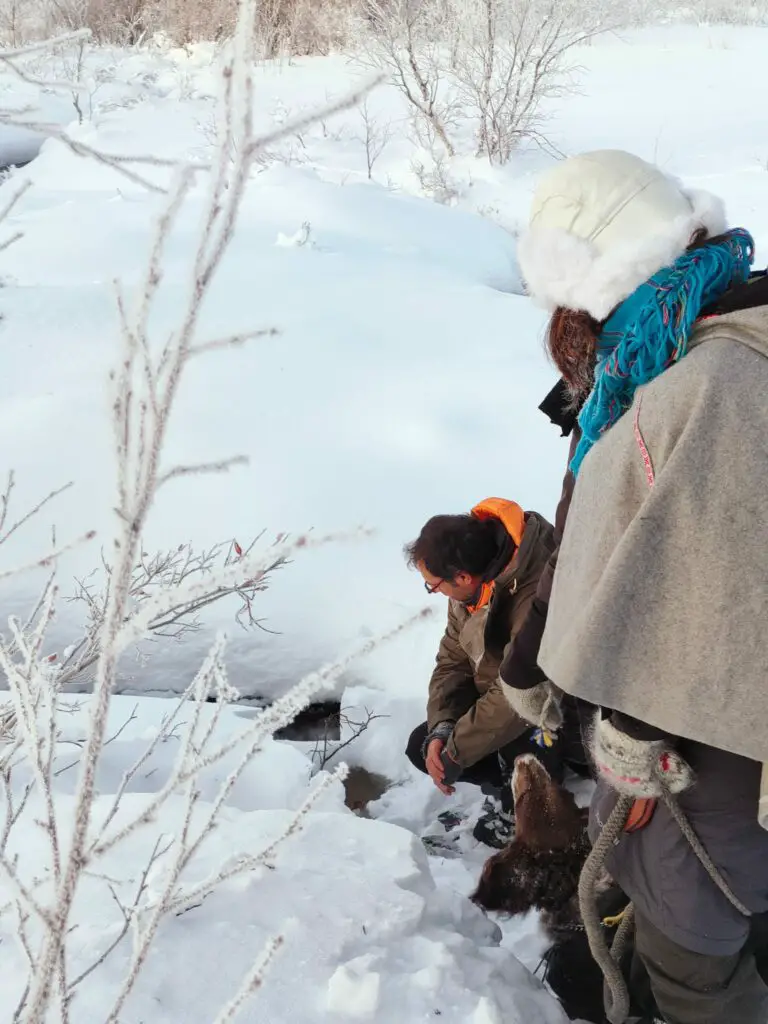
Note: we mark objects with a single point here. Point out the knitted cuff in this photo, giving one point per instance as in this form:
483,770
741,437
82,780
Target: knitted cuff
639,768
442,731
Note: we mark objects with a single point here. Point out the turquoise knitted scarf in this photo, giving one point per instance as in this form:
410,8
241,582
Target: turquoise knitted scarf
650,330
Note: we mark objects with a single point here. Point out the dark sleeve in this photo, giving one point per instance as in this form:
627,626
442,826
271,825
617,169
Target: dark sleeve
636,729
519,667
544,589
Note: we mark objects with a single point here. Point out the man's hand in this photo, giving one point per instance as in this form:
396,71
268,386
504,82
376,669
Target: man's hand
435,766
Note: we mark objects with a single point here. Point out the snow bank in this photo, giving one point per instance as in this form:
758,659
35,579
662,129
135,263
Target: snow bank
407,375
368,935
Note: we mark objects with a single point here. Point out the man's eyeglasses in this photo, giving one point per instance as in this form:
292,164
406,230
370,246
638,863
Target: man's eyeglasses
432,588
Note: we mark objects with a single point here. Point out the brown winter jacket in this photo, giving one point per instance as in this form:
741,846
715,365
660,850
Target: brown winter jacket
464,689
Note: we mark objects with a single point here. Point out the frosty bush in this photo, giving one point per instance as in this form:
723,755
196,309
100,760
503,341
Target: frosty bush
410,41
76,846
292,27
303,27
483,66
513,55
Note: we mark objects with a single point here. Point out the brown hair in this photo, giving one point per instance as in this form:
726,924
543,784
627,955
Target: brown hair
448,545
572,343
572,336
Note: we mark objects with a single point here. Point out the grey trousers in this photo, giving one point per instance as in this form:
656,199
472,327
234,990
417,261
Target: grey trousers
690,988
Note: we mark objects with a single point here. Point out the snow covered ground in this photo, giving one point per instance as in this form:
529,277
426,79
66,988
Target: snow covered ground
369,935
404,382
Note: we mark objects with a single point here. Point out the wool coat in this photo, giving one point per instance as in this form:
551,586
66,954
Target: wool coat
659,611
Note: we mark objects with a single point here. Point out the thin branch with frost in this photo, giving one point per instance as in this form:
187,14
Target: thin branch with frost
145,384
252,981
374,136
326,749
22,520
202,468
170,902
244,864
6,211
304,121
46,561
248,571
233,341
128,913
167,594
191,761
45,46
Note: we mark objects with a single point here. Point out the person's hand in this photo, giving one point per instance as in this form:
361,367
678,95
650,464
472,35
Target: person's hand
639,768
435,765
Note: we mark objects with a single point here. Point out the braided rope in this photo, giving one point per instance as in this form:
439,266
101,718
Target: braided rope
615,992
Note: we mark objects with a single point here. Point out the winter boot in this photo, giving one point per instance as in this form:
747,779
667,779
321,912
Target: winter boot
496,824
442,838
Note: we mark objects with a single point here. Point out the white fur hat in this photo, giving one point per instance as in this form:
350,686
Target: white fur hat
602,223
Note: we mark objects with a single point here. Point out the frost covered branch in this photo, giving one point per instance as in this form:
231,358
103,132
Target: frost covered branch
483,65
168,592
326,748
374,136
408,43
138,596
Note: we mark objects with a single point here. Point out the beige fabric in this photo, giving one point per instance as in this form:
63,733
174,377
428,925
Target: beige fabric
659,606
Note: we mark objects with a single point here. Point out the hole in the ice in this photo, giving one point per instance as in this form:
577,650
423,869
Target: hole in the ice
318,721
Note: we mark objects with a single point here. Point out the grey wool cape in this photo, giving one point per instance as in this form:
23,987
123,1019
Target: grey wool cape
659,606
659,610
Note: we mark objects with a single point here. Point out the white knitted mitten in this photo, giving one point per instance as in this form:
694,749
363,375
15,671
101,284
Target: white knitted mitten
639,768
537,705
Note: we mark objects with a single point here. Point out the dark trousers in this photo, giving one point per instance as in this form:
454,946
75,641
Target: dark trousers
493,772
690,988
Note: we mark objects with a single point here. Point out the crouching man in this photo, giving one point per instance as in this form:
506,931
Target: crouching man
488,565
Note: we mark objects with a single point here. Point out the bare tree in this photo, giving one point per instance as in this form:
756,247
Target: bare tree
514,55
188,21
485,64
349,728
121,22
13,22
408,42
374,136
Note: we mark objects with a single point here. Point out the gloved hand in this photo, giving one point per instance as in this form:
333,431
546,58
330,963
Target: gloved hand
636,767
435,755
537,705
451,768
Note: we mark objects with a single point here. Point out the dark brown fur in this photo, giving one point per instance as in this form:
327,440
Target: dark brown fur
540,868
